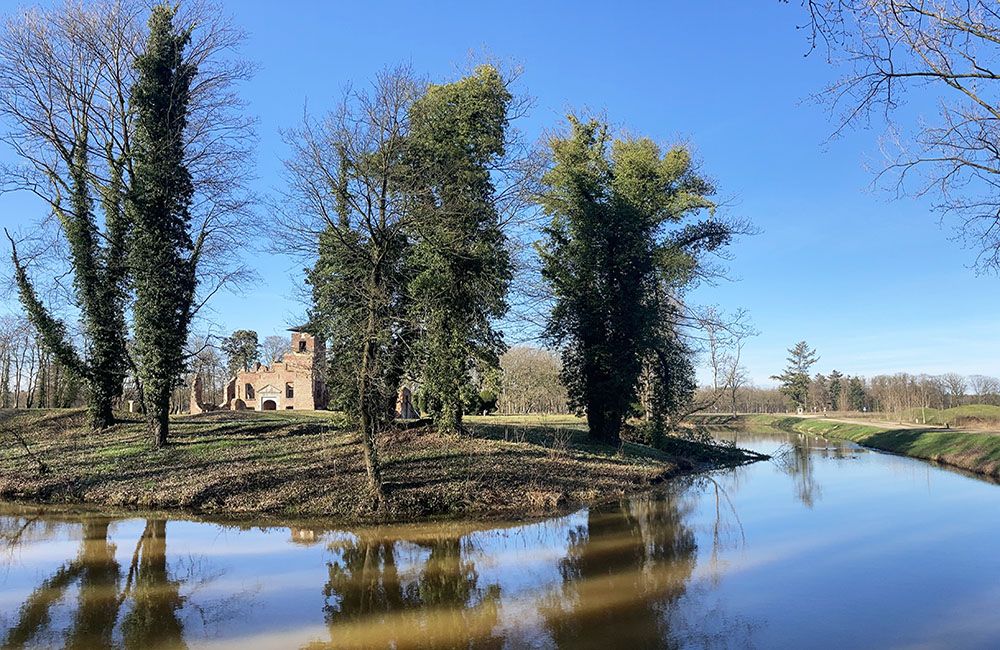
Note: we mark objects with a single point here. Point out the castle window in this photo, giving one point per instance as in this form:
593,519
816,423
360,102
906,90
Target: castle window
249,391
289,390
302,346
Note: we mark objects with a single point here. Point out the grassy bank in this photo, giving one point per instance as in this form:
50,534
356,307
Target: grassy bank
974,451
309,464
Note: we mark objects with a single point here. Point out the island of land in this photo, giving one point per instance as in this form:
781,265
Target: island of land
310,464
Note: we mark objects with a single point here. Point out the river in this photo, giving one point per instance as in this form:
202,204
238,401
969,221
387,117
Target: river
828,545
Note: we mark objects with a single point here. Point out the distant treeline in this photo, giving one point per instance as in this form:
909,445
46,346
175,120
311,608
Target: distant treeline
893,394
30,377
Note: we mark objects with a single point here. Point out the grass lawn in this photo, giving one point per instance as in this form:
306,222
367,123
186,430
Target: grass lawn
974,451
304,464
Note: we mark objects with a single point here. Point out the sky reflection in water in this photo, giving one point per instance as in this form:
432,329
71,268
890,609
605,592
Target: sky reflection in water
827,546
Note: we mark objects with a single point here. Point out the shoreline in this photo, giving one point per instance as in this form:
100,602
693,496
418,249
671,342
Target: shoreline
306,466
972,451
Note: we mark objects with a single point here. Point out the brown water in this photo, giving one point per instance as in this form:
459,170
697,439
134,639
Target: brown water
828,546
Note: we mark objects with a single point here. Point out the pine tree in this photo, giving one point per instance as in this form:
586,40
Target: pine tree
162,257
242,350
836,390
856,395
461,263
795,379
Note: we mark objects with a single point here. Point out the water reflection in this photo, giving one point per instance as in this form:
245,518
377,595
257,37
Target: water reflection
754,555
369,602
153,621
624,568
147,599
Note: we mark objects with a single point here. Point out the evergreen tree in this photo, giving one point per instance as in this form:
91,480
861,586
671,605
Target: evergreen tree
837,390
162,256
461,263
242,350
856,395
606,256
795,379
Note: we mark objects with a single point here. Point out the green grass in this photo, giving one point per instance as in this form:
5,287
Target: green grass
977,452
956,416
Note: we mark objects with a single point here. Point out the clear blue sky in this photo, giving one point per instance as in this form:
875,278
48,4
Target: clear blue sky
872,282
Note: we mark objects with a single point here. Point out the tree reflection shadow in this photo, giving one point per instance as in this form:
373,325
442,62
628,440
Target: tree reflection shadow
624,567
370,603
146,600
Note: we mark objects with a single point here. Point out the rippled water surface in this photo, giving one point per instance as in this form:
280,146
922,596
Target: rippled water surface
827,546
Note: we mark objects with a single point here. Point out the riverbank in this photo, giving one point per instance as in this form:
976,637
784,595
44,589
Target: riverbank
974,451
308,464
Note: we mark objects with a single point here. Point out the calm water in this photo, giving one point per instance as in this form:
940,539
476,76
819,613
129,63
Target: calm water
828,546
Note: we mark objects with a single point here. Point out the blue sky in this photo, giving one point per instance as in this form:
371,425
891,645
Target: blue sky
873,282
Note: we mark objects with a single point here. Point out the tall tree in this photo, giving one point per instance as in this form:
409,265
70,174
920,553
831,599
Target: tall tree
242,350
162,258
837,390
461,264
68,76
856,394
613,267
53,90
795,379
350,190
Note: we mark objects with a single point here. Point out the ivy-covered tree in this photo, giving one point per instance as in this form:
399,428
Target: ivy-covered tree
614,266
51,114
68,75
162,256
794,381
462,267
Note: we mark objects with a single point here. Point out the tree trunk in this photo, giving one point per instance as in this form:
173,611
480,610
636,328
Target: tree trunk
158,421
370,419
102,414
603,429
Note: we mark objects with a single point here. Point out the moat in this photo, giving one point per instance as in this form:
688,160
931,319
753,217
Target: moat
827,545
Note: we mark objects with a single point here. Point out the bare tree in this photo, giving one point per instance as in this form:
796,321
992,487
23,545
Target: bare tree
66,79
723,337
956,386
274,348
530,382
948,51
984,388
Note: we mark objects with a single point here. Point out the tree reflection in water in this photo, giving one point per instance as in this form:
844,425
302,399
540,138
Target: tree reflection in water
153,621
148,597
369,604
624,568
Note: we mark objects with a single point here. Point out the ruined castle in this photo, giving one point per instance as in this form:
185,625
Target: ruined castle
294,383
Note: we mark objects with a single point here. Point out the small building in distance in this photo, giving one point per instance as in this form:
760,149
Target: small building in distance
294,383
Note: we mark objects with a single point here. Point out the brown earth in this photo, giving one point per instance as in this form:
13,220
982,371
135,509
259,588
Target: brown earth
308,464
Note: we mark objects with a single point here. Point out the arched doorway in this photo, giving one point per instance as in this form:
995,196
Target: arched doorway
268,405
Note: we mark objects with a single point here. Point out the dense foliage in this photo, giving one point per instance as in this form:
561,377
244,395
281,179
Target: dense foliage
616,269
162,256
461,265
241,349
